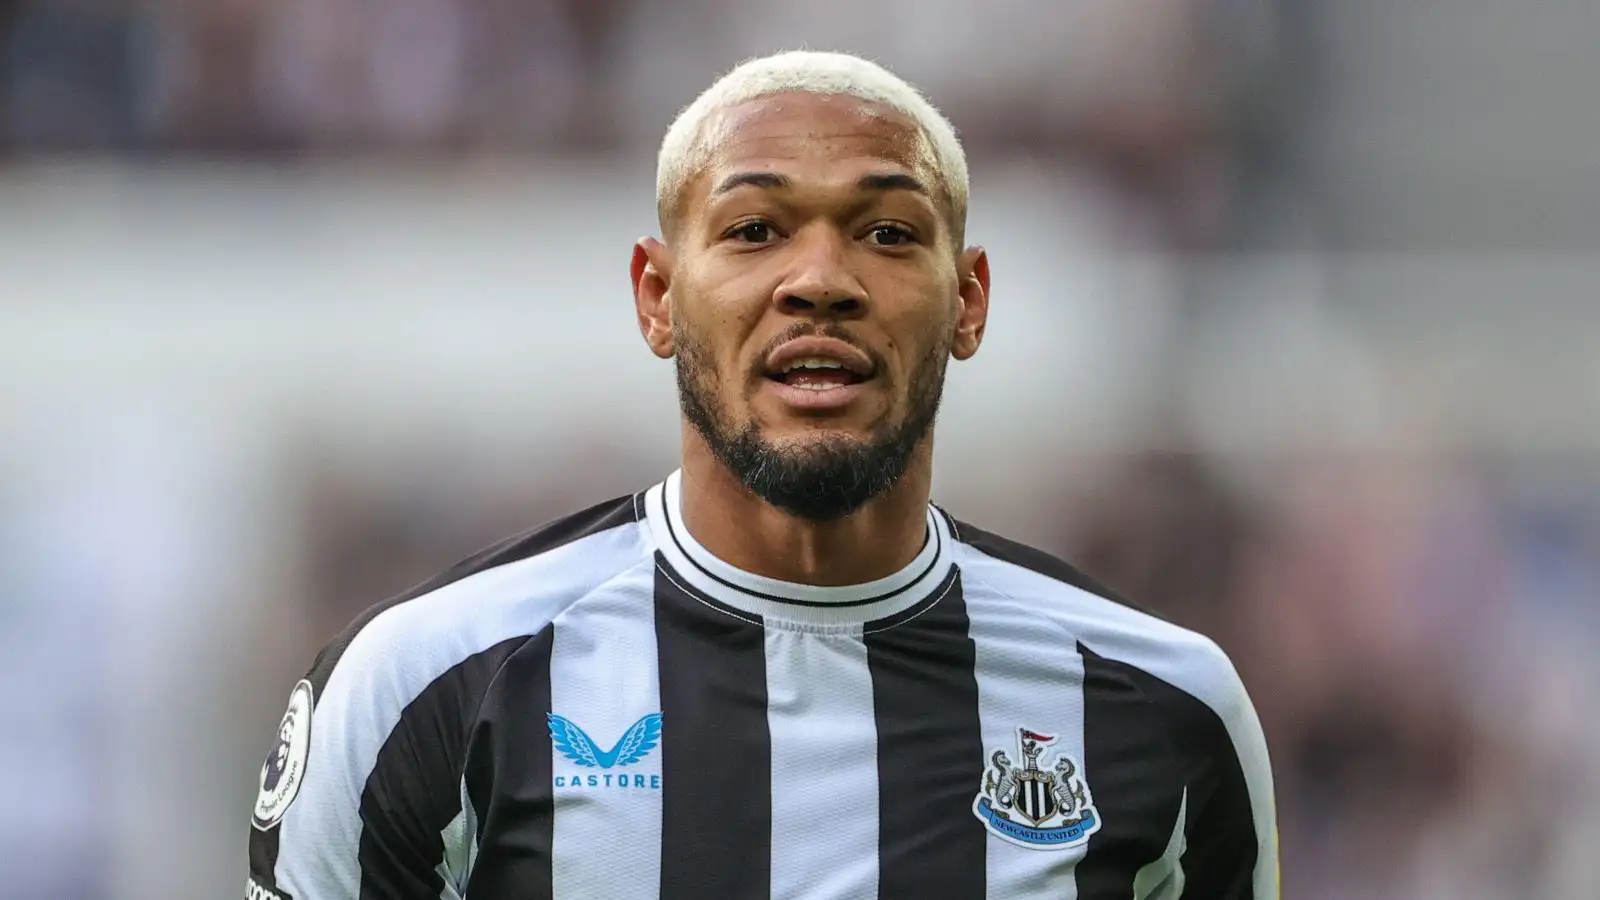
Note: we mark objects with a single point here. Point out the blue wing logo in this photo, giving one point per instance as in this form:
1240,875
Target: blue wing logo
573,742
576,745
637,742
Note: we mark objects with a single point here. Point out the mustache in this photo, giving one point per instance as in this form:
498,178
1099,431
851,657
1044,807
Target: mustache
758,366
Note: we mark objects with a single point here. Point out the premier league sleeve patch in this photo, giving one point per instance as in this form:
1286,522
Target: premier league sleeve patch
285,766
1041,807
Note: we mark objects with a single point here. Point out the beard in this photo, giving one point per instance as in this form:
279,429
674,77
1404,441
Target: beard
820,479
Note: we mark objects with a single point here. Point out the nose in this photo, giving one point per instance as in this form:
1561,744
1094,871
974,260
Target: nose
819,282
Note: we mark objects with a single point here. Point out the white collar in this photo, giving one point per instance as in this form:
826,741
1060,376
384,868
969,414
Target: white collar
786,600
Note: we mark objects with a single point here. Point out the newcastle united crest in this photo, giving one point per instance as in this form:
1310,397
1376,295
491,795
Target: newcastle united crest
1043,804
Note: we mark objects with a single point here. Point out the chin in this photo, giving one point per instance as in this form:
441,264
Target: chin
862,424
815,435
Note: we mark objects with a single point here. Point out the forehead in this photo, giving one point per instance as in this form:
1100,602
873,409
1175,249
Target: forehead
827,137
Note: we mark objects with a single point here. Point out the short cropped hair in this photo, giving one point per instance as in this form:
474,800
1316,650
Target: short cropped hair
683,150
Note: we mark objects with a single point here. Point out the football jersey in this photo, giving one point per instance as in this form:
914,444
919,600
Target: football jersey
603,709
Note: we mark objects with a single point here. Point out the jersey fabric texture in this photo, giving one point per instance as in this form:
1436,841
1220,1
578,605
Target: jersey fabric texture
603,709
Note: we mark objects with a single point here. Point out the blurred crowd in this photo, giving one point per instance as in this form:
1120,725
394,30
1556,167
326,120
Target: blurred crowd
1157,93
1400,621
254,77
1414,617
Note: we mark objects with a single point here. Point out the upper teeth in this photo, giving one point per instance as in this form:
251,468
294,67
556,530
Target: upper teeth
815,362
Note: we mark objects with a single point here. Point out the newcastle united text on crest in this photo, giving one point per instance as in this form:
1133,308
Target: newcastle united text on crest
1043,807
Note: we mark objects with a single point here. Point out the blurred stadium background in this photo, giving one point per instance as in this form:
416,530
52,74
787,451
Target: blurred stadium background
1295,338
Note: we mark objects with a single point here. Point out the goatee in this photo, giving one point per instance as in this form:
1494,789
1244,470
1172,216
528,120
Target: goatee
822,479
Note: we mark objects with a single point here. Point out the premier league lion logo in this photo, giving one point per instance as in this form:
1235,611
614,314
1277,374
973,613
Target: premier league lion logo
278,758
284,769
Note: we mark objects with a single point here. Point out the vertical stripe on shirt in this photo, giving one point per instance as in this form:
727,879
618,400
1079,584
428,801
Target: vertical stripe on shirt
930,753
1221,846
509,777
1133,772
824,765
1033,683
716,804
414,786
606,728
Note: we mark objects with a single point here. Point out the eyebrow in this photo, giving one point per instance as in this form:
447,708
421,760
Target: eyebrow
767,181
895,182
774,181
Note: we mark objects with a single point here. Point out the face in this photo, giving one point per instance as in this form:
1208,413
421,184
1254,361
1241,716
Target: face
812,295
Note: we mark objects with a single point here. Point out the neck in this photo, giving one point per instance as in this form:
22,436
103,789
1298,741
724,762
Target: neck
745,531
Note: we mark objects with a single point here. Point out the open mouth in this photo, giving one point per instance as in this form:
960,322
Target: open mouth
817,373
820,364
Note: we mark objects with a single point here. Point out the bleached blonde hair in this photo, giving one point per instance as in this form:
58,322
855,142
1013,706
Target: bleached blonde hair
684,149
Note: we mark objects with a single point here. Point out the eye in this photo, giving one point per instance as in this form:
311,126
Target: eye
756,232
890,236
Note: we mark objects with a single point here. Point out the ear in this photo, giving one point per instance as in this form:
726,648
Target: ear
973,270
652,281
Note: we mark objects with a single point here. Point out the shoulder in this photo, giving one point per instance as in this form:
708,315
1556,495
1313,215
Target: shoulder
1108,629
488,602
383,719
1176,675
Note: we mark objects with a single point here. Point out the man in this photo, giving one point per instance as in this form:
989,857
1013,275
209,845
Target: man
781,672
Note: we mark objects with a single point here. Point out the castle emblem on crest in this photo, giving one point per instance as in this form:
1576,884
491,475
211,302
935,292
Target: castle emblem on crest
1042,806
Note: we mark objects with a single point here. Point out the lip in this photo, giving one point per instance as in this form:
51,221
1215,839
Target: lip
832,398
788,352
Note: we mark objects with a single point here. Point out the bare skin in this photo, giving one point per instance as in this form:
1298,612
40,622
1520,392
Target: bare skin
820,210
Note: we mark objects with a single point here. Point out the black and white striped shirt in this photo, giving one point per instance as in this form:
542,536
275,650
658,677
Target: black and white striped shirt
602,709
